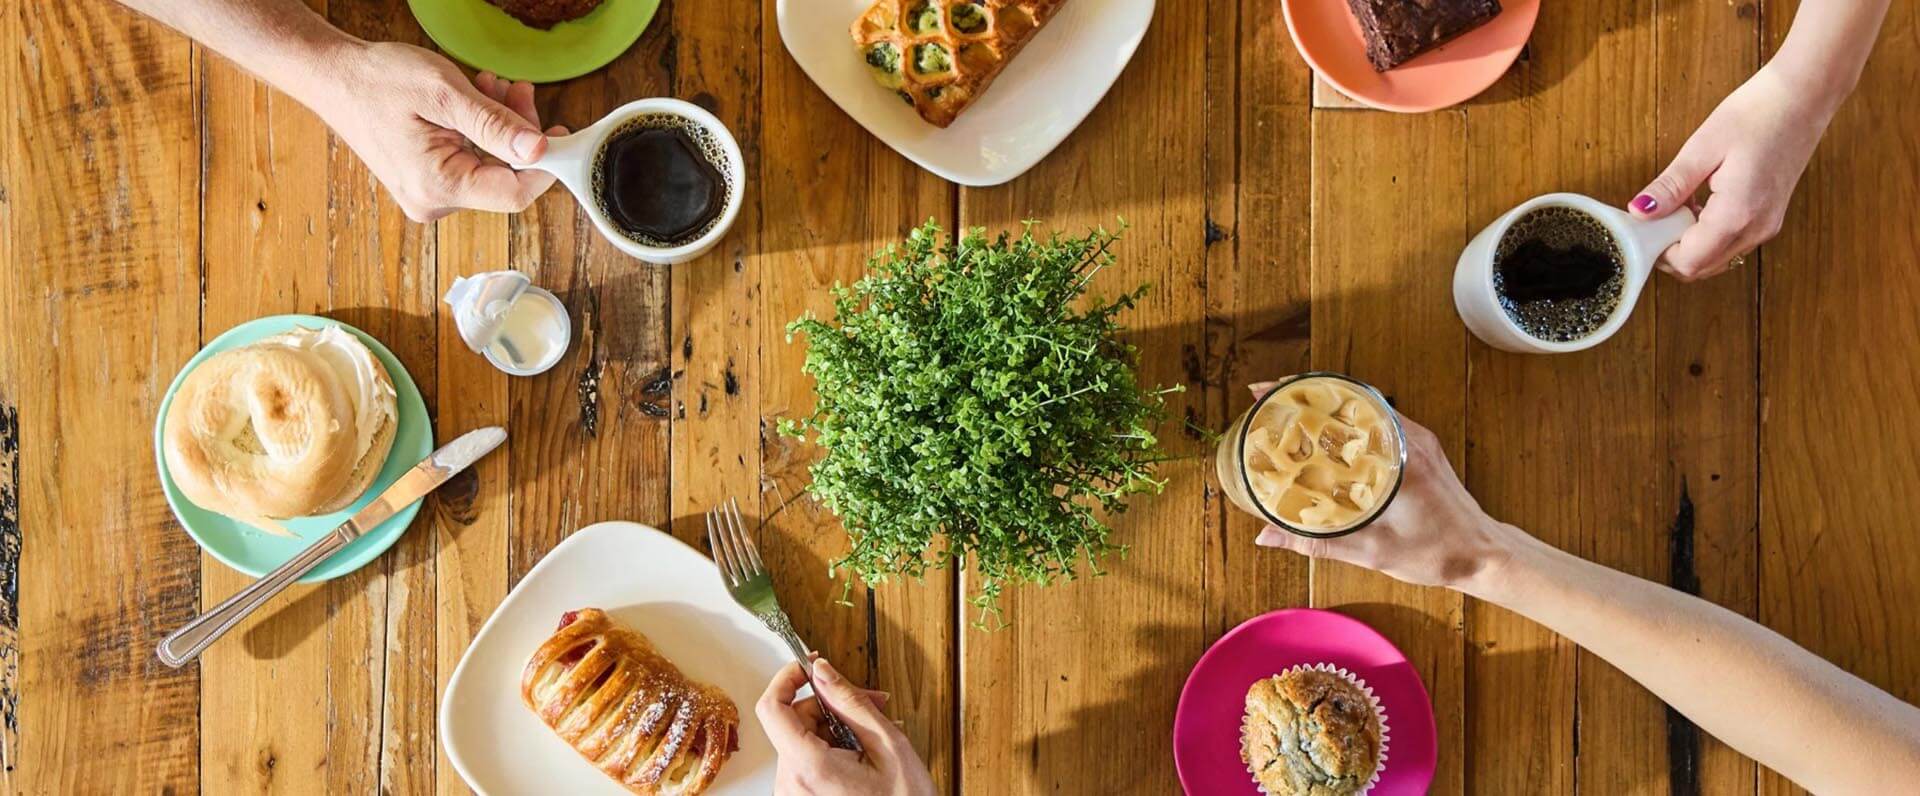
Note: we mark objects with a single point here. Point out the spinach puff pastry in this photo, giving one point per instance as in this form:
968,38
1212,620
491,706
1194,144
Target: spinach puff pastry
940,55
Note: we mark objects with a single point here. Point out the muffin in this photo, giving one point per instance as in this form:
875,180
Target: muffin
1312,731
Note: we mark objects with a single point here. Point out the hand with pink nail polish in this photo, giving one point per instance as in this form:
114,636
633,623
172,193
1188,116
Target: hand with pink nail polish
1751,151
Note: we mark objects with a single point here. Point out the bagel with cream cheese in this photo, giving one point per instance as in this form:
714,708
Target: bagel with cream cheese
294,425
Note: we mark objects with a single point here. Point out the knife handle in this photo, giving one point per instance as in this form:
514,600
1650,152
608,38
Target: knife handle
185,644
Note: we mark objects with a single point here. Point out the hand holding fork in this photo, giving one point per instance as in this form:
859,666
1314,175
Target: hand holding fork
751,585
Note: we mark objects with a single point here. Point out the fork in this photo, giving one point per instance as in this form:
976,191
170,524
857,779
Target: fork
751,585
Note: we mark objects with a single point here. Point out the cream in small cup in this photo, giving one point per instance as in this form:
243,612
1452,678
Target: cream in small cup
1320,455
661,178
1584,263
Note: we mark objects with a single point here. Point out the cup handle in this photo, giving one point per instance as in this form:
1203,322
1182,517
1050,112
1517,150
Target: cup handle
1651,238
567,157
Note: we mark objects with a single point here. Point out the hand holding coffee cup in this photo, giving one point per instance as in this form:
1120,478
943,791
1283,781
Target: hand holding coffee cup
660,178
1559,273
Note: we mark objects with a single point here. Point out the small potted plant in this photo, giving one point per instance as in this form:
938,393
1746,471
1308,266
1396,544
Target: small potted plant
977,410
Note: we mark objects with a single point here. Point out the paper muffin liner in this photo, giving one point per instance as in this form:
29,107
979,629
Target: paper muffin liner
1378,711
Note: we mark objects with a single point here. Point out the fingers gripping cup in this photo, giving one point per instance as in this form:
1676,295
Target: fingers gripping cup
1320,455
660,178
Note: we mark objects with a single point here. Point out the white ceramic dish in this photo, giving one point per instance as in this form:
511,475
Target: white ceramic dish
1042,96
656,585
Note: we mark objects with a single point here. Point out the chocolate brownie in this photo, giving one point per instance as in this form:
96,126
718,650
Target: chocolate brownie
544,14
1398,30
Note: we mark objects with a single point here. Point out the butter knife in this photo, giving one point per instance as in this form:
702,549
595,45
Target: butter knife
185,644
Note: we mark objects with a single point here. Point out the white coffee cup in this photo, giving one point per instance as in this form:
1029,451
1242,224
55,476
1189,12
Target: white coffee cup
1640,242
571,158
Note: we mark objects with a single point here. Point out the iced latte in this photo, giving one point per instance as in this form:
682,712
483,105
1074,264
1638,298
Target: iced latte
1320,455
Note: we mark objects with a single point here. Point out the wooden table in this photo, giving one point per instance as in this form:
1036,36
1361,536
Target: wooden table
1749,438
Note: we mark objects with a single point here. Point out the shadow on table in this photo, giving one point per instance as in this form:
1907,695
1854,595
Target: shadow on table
1563,38
1144,690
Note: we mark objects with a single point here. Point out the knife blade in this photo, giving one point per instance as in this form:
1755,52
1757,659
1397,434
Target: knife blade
424,477
183,645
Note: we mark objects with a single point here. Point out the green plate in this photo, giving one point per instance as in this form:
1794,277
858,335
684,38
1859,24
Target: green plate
482,36
256,552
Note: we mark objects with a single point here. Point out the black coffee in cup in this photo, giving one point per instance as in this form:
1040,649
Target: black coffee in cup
1558,274
662,180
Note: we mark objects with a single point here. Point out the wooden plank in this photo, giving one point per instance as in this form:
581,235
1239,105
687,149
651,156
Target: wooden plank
12,330
1566,446
1090,671
471,520
591,434
387,286
1839,560
1326,97
715,339
1258,156
1383,313
1706,358
841,196
294,695
99,287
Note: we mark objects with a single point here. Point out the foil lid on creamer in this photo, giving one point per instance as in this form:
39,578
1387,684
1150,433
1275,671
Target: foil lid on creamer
522,329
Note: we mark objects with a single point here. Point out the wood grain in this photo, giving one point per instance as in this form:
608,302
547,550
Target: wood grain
1697,448
1259,143
592,442
1839,560
95,232
1078,694
1382,313
470,517
1566,446
315,651
1706,360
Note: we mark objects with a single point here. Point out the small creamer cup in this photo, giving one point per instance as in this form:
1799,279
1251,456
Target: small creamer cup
571,159
1641,243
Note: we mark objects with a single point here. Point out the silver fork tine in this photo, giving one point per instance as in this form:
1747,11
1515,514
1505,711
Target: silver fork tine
720,552
753,552
738,543
730,536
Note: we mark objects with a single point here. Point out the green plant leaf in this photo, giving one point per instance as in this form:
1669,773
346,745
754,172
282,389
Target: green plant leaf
978,410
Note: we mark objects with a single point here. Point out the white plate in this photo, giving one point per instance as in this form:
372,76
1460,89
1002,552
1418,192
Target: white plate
656,585
1044,93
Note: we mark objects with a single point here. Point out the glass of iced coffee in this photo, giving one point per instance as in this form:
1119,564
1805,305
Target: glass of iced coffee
1320,455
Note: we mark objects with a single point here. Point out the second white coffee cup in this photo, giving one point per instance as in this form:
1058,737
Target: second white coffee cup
572,158
1641,244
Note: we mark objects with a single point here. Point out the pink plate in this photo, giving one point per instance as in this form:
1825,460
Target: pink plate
1206,727
1329,38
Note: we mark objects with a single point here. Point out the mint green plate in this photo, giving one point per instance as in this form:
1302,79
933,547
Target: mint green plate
482,36
257,552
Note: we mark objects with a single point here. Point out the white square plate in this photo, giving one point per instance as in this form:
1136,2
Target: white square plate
656,585
1043,94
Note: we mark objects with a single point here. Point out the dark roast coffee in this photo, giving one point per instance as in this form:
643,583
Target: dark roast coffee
661,180
1558,274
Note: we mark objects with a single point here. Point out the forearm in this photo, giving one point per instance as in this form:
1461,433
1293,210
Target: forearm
283,42
1750,687
1827,47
